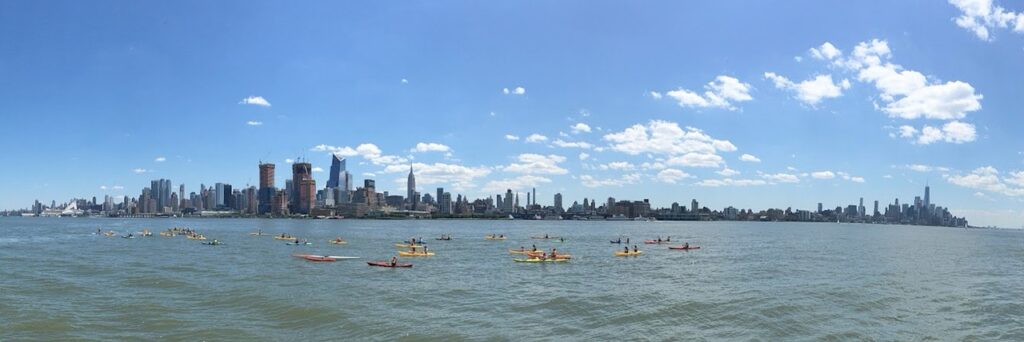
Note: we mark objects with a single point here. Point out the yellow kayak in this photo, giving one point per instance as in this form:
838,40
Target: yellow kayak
527,251
402,245
495,238
540,260
197,237
417,254
167,234
336,242
629,254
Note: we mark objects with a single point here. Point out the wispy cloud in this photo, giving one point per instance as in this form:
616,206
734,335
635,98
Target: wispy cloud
255,100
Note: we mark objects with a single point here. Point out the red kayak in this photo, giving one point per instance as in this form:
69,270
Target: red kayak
681,248
387,264
655,242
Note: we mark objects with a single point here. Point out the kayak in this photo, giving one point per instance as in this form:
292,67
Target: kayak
127,237
167,234
284,238
516,251
538,254
319,258
211,243
417,254
298,244
616,242
336,242
387,264
197,237
440,239
681,248
545,238
629,254
495,238
540,260
399,245
259,234
335,257
655,242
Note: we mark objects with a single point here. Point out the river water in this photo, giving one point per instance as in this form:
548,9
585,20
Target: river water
750,281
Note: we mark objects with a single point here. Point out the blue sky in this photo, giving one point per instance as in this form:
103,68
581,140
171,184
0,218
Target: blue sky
658,100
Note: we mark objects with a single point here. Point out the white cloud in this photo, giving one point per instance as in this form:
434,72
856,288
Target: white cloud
826,51
621,165
908,94
750,158
254,123
723,92
572,144
781,178
536,138
460,177
696,160
511,137
907,131
255,100
981,16
652,166
369,152
672,176
856,179
919,167
160,159
955,132
405,81
730,182
430,147
514,91
318,169
112,187
530,163
665,138
823,175
811,91
655,95
584,156
591,182
289,160
140,170
580,127
519,182
987,178
727,172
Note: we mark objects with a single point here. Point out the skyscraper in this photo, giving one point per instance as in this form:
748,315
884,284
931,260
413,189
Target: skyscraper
927,196
534,196
693,205
337,169
411,190
265,196
305,187
558,202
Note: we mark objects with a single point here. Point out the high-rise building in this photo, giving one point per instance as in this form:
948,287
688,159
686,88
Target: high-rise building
927,195
558,202
534,196
509,201
305,187
819,207
265,197
445,203
411,190
875,213
337,168
223,191
693,206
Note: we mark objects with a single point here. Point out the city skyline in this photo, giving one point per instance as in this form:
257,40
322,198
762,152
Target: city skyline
776,118
337,200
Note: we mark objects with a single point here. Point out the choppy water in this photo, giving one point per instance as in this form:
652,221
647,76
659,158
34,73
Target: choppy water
751,281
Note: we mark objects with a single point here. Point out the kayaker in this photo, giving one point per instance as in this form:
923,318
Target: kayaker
424,250
554,254
502,236
534,248
394,261
627,241
659,239
669,239
561,239
522,249
626,249
635,249
686,245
